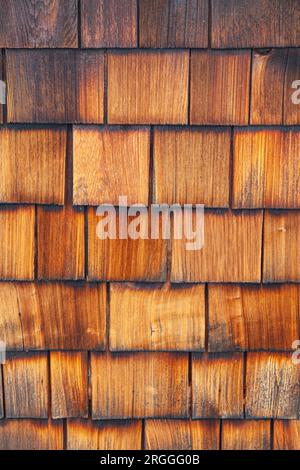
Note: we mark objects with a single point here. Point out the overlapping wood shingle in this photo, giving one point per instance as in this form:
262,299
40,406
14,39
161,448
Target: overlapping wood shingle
149,341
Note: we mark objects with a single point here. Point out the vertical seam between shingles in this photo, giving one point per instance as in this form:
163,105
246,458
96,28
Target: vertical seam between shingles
107,322
209,24
189,88
3,391
190,381
231,158
49,385
244,383
86,251
105,91
221,434
143,435
89,385
65,434
35,261
272,434
206,316
137,23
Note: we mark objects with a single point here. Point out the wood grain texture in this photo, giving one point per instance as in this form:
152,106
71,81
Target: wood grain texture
220,83
291,111
173,23
191,166
109,23
17,244
267,86
272,386
231,251
266,168
69,384
260,23
31,434
148,87
125,259
139,385
25,378
11,330
217,381
58,315
281,242
60,239
253,318
32,164
162,434
1,400
58,86
110,162
1,78
246,435
146,317
38,23
286,435
104,435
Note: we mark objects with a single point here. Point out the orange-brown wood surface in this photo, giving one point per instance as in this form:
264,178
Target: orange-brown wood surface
104,435
110,162
139,385
286,435
246,435
38,23
32,164
191,166
26,386
57,86
231,251
173,23
266,168
148,87
291,110
217,385
151,317
69,384
253,318
220,87
31,434
109,23
181,434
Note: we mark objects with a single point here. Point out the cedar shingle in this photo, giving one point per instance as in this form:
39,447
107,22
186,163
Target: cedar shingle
109,23
148,87
60,241
231,251
146,317
291,88
220,83
272,386
191,166
57,86
38,23
181,434
173,23
62,316
1,78
1,400
253,318
267,85
139,385
32,164
69,384
286,435
259,23
31,434
110,162
217,385
246,435
281,246
25,378
17,243
11,331
266,168
52,315
104,435
125,259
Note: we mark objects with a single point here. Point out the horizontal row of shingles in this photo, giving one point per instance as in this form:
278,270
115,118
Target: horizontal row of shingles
232,251
159,434
190,166
155,23
152,87
146,317
137,385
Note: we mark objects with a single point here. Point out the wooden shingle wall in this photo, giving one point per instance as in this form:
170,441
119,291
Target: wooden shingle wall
141,343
